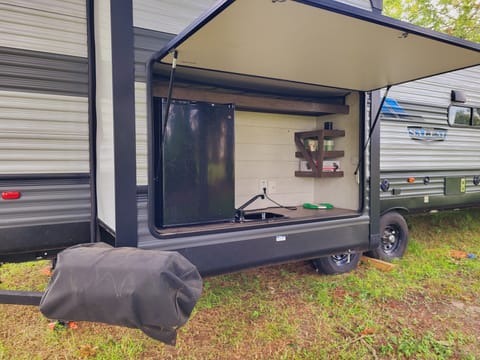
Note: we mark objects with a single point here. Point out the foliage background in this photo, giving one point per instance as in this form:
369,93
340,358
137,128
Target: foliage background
460,18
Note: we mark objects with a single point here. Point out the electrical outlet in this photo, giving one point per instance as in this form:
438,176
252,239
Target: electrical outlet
263,184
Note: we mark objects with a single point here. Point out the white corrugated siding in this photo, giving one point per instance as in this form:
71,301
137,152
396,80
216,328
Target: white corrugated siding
265,149
54,26
435,90
170,16
105,137
42,133
428,100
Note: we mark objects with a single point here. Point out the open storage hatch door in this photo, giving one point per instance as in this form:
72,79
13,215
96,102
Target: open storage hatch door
313,42
316,48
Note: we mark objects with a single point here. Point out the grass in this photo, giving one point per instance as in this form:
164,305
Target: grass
426,308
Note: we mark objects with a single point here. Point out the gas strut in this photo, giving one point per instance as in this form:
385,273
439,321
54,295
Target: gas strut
169,95
372,128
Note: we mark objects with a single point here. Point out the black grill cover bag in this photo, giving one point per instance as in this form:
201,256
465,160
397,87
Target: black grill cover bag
154,291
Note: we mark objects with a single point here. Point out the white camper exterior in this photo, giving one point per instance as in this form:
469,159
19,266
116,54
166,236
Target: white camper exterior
430,141
77,125
52,52
44,125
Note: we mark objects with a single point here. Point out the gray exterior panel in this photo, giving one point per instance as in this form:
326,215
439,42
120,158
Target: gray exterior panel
418,196
423,104
147,42
353,234
45,202
41,241
34,71
230,251
51,213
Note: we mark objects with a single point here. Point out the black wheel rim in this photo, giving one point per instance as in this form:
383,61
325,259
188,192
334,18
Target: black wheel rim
391,239
342,259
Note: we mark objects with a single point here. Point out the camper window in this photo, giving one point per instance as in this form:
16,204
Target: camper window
460,115
476,117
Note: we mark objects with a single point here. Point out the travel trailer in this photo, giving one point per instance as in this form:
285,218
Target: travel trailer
429,144
227,143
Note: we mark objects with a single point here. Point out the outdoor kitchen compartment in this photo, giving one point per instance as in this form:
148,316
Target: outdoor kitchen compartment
197,164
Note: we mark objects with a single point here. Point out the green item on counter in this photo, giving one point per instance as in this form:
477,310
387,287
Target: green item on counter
317,206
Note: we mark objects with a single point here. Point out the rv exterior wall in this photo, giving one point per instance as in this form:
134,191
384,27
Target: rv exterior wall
43,120
428,101
167,16
44,139
425,105
43,133
53,26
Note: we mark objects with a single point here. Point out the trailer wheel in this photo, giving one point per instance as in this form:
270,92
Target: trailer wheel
394,232
337,264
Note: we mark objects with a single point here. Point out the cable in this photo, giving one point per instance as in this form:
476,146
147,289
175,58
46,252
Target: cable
276,203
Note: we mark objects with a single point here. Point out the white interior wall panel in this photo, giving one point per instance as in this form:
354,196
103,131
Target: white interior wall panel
141,132
54,26
265,149
105,149
43,133
343,191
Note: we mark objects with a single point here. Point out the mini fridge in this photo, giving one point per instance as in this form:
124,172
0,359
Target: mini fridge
195,175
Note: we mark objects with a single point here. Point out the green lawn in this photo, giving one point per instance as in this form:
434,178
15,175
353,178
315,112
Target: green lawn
426,308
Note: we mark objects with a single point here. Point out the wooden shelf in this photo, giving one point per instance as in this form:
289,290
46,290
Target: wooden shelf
251,101
328,134
326,154
324,174
315,159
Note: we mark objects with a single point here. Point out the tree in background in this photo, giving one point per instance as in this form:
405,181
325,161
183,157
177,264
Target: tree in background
460,18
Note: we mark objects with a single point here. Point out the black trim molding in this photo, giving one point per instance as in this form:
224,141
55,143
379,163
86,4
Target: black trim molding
39,241
121,15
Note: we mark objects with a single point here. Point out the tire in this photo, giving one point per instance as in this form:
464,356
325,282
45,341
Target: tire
337,264
394,237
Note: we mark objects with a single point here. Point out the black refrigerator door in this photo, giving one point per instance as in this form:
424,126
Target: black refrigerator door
197,165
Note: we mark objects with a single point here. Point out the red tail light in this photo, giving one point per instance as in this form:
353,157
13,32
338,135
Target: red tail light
10,195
